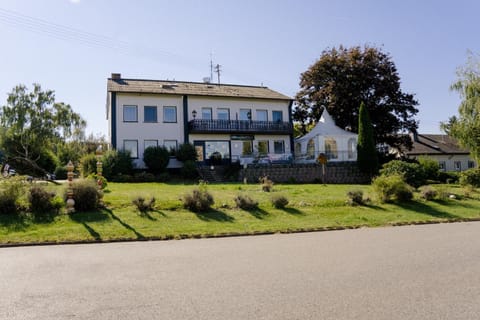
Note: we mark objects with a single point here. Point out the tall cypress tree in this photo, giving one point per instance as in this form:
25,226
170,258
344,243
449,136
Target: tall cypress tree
367,157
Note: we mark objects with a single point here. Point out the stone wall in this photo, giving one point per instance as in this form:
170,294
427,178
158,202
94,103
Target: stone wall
338,173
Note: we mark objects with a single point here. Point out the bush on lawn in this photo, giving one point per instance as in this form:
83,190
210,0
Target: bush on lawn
428,193
143,205
244,202
200,200
267,184
10,193
392,188
355,197
85,194
279,201
42,201
470,177
95,178
412,173
430,168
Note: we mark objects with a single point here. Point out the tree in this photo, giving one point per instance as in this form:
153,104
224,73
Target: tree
156,158
343,78
466,127
32,124
367,158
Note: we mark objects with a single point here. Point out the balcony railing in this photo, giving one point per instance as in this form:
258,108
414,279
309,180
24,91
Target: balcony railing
239,126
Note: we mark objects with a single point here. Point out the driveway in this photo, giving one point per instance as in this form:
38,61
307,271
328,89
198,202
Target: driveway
414,272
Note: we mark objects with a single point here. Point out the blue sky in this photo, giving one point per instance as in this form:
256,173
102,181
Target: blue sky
76,45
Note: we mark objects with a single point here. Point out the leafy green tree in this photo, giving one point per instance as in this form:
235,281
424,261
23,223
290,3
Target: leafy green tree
466,127
367,157
186,152
343,78
32,124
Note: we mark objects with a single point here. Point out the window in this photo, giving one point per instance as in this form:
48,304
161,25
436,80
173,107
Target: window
352,148
457,165
311,149
277,116
471,164
279,146
245,114
132,146
441,165
222,147
130,114
262,147
150,143
298,149
262,115
223,114
169,114
149,114
207,113
246,148
331,148
170,144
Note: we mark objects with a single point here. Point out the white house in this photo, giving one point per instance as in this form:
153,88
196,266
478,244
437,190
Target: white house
442,148
328,139
231,122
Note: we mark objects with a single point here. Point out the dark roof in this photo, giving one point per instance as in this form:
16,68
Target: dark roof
192,88
431,144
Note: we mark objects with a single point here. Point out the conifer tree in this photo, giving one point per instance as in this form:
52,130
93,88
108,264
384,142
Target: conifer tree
367,157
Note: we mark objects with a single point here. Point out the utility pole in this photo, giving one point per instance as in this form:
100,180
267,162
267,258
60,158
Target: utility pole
218,70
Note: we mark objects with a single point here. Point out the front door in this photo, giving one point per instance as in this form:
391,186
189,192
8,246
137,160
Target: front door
200,149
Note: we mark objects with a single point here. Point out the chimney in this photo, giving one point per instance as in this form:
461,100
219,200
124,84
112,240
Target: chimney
414,135
116,76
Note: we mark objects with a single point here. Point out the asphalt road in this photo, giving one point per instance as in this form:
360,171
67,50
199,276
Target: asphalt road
414,272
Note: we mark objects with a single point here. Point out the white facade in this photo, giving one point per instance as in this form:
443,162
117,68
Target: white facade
139,120
328,139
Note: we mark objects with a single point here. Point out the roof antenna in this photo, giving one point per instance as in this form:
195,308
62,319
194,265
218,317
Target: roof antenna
218,70
211,66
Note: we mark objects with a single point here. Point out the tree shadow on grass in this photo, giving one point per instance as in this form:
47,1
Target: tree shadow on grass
214,215
124,224
90,216
257,213
373,206
92,232
293,211
425,209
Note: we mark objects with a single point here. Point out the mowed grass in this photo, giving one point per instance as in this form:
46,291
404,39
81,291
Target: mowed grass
311,207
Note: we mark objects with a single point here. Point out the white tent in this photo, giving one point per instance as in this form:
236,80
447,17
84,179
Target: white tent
329,139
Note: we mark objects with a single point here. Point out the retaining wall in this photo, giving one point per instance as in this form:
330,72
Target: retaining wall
338,173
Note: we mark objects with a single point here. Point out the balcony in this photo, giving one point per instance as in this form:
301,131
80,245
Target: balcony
239,126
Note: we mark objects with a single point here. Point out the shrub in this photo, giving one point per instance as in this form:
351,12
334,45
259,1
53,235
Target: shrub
390,188
116,162
428,193
267,184
95,178
355,197
61,172
143,205
448,177
244,202
40,200
430,168
163,177
85,194
232,171
156,158
186,152
189,169
470,177
200,200
12,190
279,202
412,173
143,177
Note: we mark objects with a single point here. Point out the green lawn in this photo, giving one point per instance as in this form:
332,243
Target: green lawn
311,207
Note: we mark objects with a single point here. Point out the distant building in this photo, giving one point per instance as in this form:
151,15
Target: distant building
328,139
224,122
442,148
